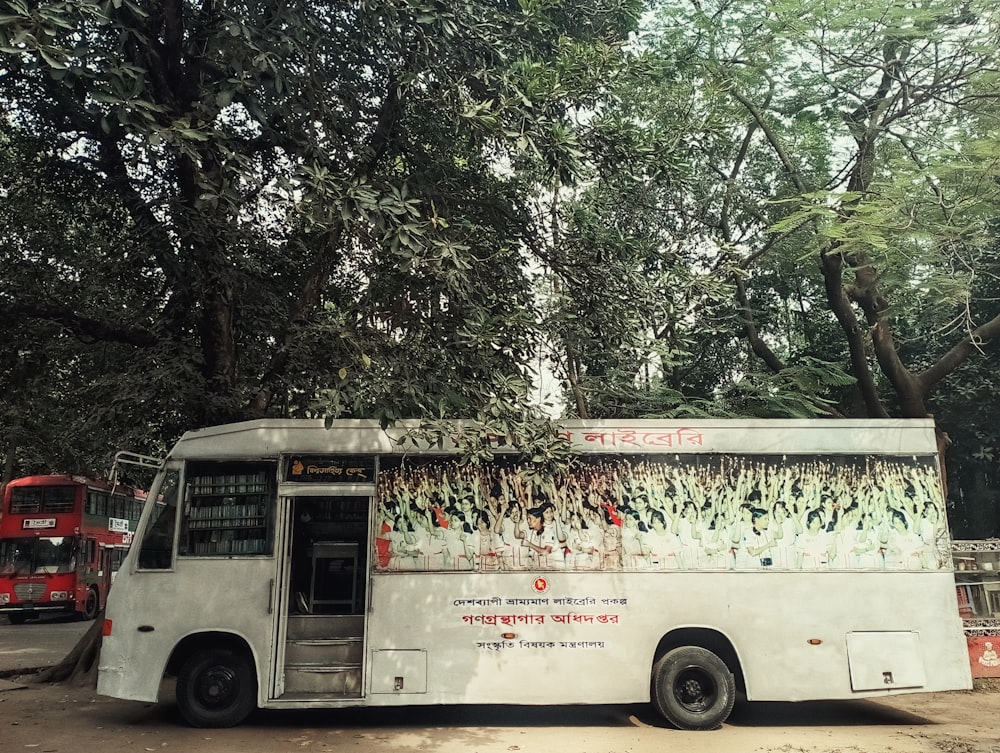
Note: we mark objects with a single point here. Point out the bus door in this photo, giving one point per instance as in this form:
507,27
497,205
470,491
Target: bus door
104,570
118,552
323,595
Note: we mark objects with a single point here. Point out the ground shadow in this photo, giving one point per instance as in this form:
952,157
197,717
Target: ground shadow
745,714
846,713
43,617
820,714
453,716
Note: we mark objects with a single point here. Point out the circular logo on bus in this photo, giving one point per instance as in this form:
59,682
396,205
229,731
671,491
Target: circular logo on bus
540,585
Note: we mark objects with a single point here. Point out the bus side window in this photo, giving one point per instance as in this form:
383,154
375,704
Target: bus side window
156,552
89,553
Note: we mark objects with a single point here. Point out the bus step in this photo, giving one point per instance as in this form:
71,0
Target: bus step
325,626
324,651
327,641
329,679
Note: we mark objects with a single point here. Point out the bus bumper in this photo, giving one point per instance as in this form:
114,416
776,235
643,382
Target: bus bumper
32,610
114,682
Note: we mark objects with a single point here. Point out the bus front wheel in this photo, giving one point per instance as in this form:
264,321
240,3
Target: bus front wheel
216,687
693,688
17,618
90,606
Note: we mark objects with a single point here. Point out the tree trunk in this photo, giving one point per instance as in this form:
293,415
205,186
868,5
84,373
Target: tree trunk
80,665
8,462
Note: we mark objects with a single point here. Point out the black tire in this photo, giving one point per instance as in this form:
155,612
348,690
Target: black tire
693,688
16,618
91,606
216,687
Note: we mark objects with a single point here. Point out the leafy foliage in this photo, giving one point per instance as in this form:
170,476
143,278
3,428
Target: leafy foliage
307,209
798,187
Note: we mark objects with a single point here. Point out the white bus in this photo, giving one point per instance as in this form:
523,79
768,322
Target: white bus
290,565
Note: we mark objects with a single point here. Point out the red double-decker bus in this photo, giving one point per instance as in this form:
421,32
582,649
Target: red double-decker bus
62,539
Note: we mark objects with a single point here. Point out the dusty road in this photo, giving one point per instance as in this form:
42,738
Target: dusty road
62,719
37,644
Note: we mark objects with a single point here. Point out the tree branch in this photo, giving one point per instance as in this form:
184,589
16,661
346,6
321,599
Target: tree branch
83,327
831,264
314,282
750,330
973,342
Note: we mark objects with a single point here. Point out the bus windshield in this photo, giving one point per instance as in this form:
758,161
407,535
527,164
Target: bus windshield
50,555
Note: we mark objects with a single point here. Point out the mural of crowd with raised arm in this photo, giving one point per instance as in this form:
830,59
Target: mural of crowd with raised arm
663,512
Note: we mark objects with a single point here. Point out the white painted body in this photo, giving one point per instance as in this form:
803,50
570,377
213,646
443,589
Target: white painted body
553,637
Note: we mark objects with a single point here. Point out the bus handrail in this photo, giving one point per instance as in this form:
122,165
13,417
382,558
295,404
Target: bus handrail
124,457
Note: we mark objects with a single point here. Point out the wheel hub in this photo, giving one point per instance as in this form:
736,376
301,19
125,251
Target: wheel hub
694,690
217,685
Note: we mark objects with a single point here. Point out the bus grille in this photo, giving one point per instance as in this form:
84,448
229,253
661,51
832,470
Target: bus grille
29,591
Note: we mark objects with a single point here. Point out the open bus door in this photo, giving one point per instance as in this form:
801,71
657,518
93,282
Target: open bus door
105,570
323,576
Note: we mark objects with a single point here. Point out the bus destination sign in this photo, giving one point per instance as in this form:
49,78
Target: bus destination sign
330,469
34,523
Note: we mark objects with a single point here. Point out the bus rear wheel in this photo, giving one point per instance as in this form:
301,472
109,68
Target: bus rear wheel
216,687
693,688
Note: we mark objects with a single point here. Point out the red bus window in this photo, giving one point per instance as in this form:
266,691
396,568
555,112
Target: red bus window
90,552
25,500
49,499
58,499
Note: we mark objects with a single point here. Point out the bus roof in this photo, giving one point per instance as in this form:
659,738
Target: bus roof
64,479
272,437
49,479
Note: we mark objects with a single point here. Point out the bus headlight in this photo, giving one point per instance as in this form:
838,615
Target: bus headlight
58,595
4,598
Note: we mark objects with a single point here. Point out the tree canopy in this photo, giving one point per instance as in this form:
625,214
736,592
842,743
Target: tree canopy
268,208
222,210
814,187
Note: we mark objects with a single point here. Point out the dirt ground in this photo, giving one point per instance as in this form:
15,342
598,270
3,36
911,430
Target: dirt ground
66,719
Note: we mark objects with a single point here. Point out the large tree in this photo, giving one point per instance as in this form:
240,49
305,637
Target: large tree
817,198
268,207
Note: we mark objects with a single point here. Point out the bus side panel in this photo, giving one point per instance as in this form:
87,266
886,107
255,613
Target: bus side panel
154,610
591,637
510,638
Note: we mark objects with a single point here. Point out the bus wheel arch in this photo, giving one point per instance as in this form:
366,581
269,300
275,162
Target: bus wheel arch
695,675
216,679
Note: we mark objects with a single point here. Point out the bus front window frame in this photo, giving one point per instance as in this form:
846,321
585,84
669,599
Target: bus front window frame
158,527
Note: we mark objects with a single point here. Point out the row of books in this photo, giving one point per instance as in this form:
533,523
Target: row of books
229,546
234,483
